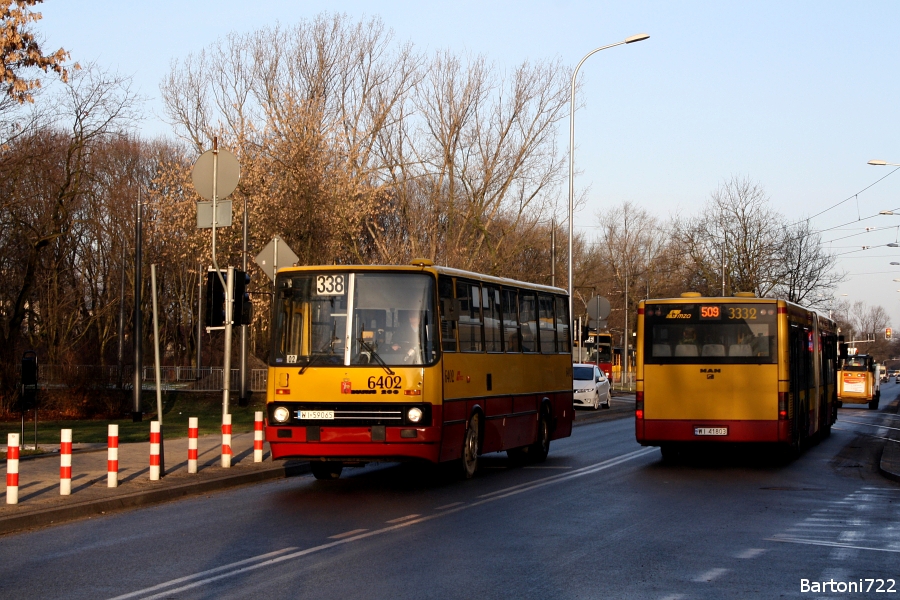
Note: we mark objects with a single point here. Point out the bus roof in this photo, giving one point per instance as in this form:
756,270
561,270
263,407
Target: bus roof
433,269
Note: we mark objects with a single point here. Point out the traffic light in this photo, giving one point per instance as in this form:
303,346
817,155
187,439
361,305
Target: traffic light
887,333
215,300
243,308
242,311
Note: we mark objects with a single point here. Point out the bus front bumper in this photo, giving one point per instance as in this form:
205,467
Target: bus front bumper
653,432
355,443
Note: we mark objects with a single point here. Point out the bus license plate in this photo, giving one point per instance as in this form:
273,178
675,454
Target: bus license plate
321,415
710,431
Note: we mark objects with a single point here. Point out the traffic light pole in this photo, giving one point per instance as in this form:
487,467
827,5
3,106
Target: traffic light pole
243,400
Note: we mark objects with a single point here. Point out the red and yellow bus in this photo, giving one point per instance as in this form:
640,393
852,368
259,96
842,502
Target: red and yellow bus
417,362
735,369
601,353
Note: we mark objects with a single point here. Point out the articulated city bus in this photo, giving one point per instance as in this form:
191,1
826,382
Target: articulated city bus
737,369
859,380
388,363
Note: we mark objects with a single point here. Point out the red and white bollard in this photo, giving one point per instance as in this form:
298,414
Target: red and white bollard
226,441
154,450
65,462
257,437
12,468
112,457
193,434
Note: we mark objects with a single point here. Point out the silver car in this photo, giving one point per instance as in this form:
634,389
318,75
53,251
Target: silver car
590,386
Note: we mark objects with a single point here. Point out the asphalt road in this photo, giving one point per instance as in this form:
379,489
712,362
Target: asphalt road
602,518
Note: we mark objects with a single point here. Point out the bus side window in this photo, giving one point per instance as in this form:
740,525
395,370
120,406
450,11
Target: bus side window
547,324
563,338
528,320
511,330
470,333
493,337
448,320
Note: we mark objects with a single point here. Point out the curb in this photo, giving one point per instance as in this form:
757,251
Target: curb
889,464
40,518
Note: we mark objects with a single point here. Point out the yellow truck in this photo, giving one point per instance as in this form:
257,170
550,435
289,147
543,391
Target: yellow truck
859,380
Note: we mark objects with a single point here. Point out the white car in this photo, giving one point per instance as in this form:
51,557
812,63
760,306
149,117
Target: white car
590,386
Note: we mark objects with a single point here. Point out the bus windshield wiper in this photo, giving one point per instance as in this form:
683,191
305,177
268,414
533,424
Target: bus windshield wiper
374,355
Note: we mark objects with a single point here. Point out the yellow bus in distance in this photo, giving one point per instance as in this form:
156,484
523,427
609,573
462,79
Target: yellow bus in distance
859,381
415,362
733,369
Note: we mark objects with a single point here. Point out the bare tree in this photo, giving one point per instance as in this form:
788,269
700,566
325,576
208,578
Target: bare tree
808,272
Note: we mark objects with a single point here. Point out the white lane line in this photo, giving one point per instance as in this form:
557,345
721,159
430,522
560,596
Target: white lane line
673,597
402,519
451,505
583,470
546,467
750,553
212,575
879,437
710,575
346,534
789,540
239,563
870,424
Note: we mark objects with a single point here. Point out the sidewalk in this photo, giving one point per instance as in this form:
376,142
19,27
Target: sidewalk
40,503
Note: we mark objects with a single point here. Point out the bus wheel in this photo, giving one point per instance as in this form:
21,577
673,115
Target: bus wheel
873,405
470,447
669,453
539,450
326,470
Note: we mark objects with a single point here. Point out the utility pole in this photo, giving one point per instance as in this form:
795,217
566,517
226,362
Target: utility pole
136,415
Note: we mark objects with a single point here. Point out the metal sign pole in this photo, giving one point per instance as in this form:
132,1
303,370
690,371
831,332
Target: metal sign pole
229,314
159,405
243,400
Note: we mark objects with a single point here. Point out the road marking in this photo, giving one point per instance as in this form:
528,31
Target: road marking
240,563
451,505
870,424
879,437
750,553
547,467
789,540
346,534
710,575
402,519
273,558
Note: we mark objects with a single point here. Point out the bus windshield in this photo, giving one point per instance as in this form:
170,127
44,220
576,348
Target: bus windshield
710,334
345,318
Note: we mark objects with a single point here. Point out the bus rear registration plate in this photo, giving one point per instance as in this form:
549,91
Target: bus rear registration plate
321,415
710,431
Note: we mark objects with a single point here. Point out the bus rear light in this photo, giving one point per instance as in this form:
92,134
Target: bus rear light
282,392
412,392
639,414
281,414
639,405
782,406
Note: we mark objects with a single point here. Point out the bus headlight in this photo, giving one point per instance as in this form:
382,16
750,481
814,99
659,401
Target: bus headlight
281,415
414,415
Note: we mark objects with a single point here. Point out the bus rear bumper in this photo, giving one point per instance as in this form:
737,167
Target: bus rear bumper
653,432
355,443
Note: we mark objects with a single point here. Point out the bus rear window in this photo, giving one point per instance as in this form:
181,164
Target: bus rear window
710,334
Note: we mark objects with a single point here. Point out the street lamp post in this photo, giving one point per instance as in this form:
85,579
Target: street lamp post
635,38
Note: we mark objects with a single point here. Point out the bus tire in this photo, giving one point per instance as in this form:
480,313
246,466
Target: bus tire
471,447
669,453
873,405
539,450
326,470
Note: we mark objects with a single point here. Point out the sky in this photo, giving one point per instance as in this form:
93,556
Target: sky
795,95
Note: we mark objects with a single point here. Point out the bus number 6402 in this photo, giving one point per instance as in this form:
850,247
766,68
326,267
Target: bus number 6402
385,382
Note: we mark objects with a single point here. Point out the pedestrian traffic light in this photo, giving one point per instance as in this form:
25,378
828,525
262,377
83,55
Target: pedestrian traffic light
243,308
887,333
215,300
